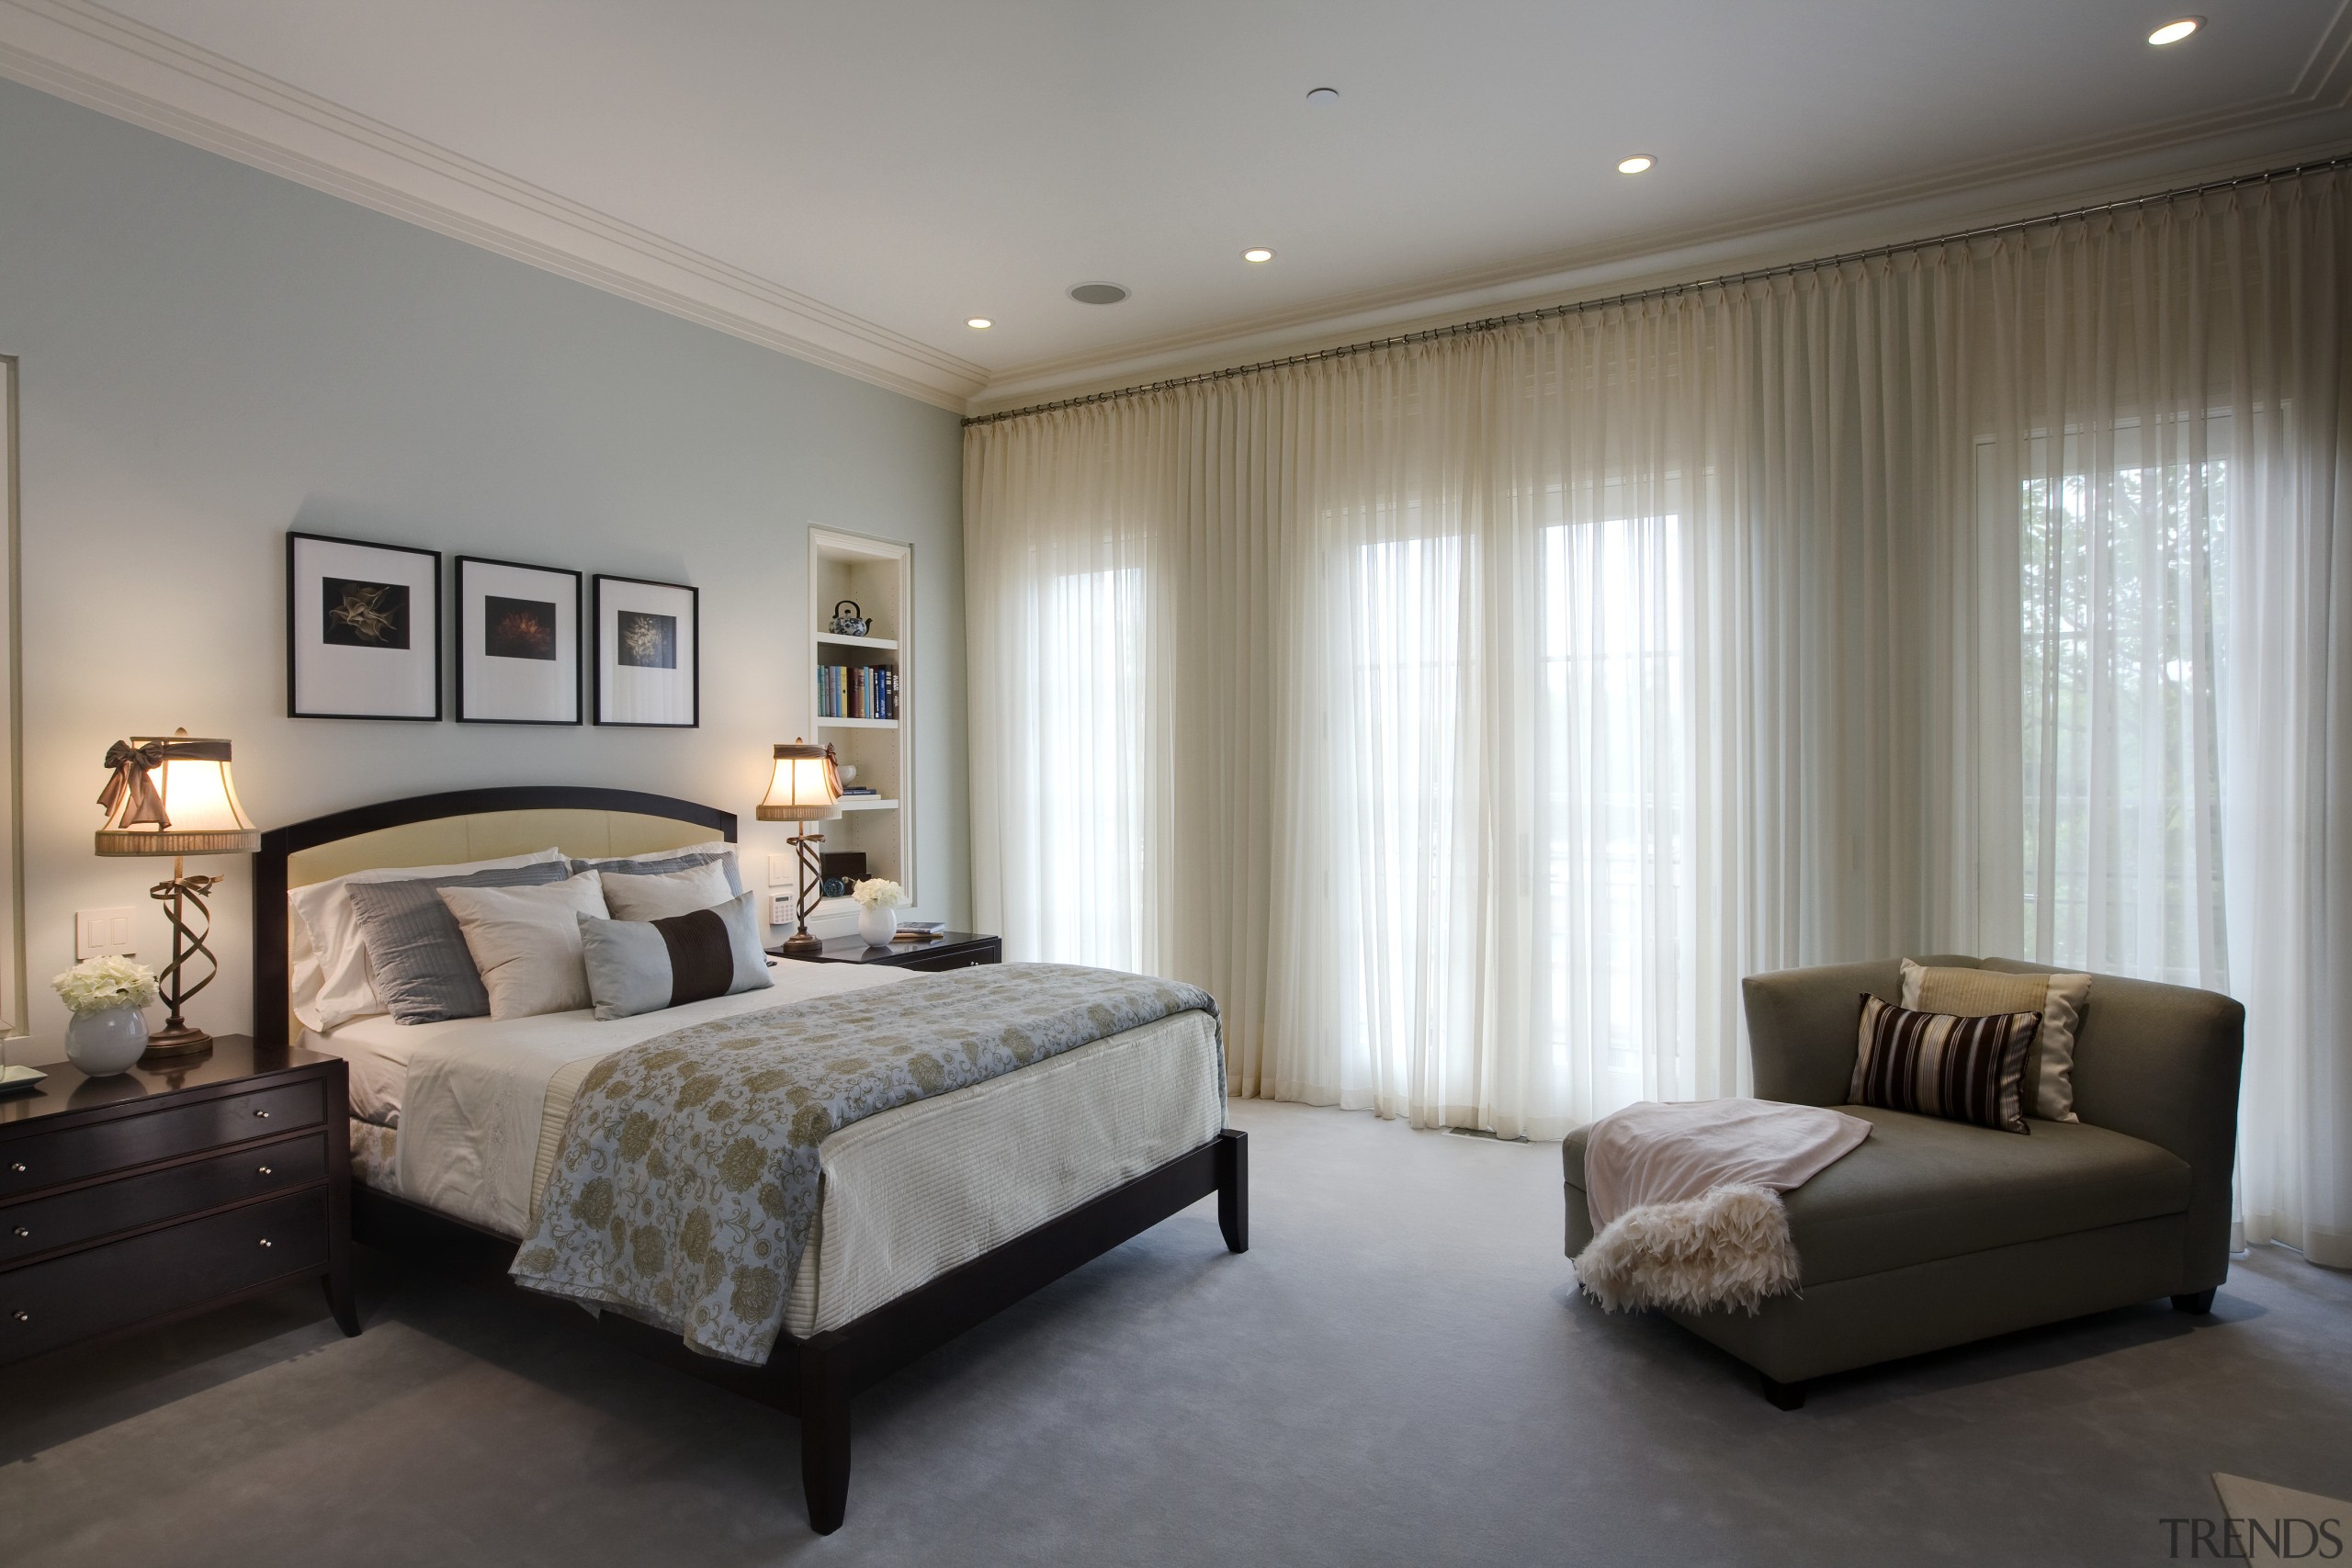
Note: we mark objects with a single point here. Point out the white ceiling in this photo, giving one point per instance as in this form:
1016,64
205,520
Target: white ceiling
851,181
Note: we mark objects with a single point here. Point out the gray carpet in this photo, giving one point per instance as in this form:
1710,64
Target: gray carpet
1398,1372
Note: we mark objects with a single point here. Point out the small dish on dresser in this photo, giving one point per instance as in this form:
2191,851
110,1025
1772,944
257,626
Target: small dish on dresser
15,1078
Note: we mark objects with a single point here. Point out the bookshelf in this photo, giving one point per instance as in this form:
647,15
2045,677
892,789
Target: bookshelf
879,575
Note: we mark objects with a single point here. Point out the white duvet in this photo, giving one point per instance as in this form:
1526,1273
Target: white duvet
468,1094
909,1194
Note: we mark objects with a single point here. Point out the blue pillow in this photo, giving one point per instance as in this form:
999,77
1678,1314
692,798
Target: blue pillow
662,867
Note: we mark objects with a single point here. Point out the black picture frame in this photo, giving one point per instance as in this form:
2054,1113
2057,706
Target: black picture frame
624,660
378,613
564,588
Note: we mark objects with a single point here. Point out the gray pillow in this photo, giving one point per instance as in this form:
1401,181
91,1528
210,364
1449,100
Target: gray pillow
660,867
423,970
645,966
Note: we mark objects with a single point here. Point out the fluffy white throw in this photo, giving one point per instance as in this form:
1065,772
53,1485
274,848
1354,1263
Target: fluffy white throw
1686,1199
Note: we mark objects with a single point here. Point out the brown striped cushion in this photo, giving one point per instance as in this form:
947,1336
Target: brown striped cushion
1933,1064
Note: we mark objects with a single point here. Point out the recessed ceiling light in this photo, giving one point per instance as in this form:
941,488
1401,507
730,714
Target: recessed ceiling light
1323,96
1257,254
1639,163
980,323
1098,293
2173,32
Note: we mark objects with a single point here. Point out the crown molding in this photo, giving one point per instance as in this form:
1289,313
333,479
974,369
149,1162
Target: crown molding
82,52
92,56
2313,118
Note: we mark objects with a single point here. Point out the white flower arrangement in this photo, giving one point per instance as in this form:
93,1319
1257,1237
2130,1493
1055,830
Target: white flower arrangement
98,985
879,893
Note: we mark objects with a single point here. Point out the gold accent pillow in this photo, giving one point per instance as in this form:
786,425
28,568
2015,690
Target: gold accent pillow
1981,993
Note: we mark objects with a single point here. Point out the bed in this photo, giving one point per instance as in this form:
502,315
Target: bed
933,1216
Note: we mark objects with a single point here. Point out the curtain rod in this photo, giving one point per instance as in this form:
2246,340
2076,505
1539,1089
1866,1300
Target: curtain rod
1786,269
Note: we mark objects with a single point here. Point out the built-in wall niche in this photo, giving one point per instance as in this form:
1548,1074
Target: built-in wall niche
862,694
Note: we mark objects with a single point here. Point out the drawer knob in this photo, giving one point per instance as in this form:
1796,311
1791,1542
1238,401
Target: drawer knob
265,1241
16,1167
23,1231
21,1316
261,1115
265,1170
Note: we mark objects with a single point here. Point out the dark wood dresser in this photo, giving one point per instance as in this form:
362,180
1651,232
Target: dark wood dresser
948,950
164,1192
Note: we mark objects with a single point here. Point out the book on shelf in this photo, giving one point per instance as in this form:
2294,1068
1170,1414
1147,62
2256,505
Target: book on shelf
857,690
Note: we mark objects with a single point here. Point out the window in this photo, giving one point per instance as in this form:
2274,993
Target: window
1406,620
1614,722
2122,629
1093,799
1520,788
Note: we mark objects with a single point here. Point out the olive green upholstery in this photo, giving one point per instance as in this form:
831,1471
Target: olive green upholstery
1936,1233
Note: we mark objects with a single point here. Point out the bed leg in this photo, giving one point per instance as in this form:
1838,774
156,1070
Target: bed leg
1233,1188
336,1282
824,1439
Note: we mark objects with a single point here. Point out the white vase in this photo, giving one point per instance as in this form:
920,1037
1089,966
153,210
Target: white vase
876,926
108,1041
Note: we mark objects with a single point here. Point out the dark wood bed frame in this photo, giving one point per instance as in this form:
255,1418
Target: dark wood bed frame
814,1379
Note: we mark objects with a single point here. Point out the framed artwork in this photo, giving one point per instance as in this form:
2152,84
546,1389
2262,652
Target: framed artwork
518,643
647,653
363,629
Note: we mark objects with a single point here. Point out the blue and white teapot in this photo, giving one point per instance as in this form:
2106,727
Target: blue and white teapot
856,623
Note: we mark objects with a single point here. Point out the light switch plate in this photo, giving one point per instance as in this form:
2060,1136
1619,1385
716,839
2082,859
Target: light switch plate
779,870
100,933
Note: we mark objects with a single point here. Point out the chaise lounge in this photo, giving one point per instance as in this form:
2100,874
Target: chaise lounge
1936,1233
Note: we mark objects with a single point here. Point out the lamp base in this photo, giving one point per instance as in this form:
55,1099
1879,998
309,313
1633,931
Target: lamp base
167,1043
801,942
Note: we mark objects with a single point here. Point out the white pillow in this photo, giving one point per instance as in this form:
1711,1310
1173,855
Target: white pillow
331,984
668,893
526,941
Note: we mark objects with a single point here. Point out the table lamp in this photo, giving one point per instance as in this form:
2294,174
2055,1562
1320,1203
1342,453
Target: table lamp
172,796
803,788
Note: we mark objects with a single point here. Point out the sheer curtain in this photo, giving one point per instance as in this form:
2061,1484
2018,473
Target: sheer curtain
1471,714
1064,709
2175,451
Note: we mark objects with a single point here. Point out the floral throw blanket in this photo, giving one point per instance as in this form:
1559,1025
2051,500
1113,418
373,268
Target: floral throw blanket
687,1185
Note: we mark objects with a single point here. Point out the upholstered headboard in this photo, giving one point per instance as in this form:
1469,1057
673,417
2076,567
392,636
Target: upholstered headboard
440,829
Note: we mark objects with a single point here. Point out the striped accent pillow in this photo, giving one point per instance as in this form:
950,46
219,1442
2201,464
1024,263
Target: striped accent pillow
637,967
1932,1063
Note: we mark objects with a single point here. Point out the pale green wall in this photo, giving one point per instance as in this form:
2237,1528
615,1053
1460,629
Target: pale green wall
211,355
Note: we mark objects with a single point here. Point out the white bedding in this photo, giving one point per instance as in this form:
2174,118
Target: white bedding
467,1094
908,1194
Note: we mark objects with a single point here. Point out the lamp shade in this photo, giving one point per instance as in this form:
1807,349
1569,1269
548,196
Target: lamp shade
804,786
173,795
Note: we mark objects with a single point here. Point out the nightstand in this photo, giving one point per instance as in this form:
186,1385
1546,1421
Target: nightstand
948,950
129,1200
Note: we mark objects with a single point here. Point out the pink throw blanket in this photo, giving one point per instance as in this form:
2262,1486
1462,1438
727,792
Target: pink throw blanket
1686,1199
1654,1153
